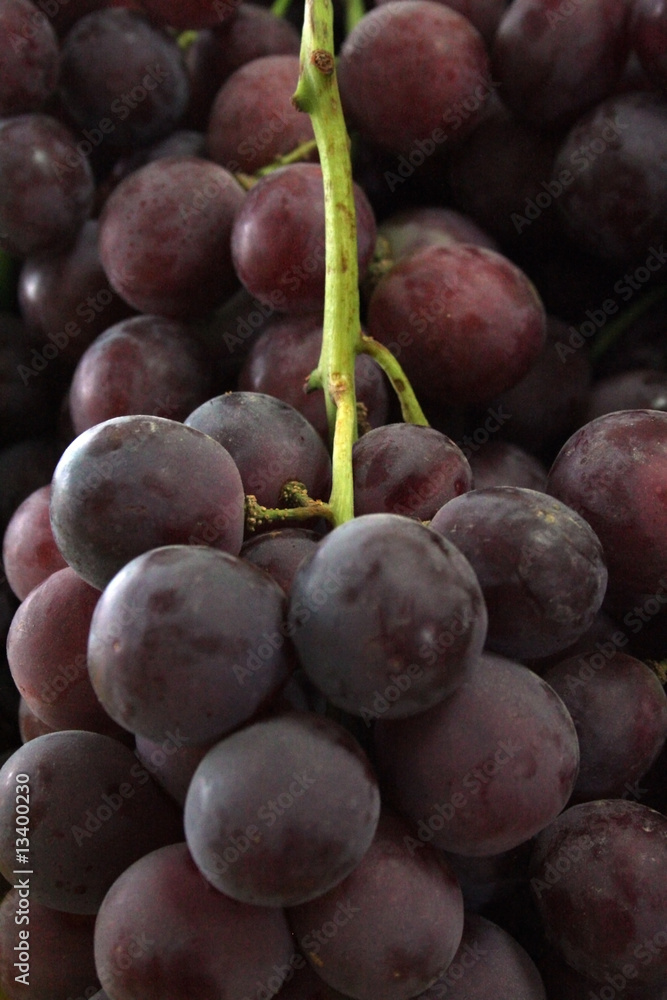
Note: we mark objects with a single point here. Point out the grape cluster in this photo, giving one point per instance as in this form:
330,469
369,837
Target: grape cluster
252,746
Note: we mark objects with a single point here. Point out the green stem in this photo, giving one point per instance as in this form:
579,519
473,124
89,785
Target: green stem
410,408
298,507
297,154
613,331
317,94
354,11
280,7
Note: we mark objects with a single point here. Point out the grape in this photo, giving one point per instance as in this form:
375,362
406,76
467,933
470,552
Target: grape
615,203
280,553
165,236
500,463
143,365
555,62
304,984
619,709
30,727
638,389
46,650
398,920
163,932
122,79
486,769
253,121
283,356
547,404
281,811
191,13
490,879
612,472
500,176
598,876
46,186
648,31
214,55
423,103
415,229
65,298
488,963
407,469
270,442
539,564
187,639
26,405
387,617
171,762
278,238
29,55
93,811
58,947
24,467
464,322
134,483
485,15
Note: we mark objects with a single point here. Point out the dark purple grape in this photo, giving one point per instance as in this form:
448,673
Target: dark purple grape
619,709
488,963
464,322
500,463
486,769
214,55
563,983
278,238
144,365
29,55
490,879
599,876
253,120
66,300
185,14
501,176
407,469
547,404
162,931
615,203
612,472
637,389
648,31
283,356
122,79
270,442
135,483
554,62
24,467
485,15
44,954
398,920
26,405
414,229
280,553
539,564
46,651
29,550
387,617
304,984
172,762
281,811
93,810
187,639
165,236
423,103
46,188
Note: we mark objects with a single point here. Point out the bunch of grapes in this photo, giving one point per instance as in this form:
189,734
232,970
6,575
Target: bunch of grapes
333,487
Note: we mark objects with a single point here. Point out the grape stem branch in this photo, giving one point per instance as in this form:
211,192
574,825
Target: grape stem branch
317,94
